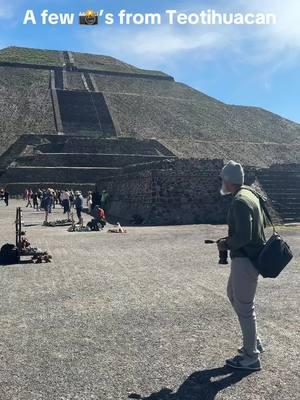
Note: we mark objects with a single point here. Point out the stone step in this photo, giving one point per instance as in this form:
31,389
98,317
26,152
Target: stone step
66,144
286,200
271,172
85,113
286,178
281,187
85,160
289,220
291,217
59,81
89,82
288,208
103,113
289,179
285,210
57,174
283,199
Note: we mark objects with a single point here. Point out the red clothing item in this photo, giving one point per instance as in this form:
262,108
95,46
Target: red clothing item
101,213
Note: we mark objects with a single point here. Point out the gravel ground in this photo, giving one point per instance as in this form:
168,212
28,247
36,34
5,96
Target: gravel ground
142,315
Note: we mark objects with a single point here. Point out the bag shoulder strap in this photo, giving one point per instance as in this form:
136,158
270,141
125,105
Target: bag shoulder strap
262,202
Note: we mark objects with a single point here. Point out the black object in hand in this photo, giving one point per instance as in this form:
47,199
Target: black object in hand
223,257
223,254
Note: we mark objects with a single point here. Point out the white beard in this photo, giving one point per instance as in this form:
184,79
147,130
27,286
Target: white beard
223,190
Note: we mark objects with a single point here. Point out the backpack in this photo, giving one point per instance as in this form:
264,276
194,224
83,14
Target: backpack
276,253
9,254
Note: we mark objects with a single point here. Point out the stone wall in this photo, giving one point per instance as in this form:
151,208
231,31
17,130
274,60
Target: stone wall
168,192
25,104
83,160
247,153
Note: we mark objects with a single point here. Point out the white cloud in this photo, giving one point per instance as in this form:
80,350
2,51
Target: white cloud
276,45
6,10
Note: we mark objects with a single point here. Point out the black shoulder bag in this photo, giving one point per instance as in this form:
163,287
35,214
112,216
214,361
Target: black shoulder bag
276,253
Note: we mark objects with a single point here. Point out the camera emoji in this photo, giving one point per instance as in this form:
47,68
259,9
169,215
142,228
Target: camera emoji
88,18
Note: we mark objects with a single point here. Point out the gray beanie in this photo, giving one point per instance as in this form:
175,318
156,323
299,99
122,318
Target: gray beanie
233,172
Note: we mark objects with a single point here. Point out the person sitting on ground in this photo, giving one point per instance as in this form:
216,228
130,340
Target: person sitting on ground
101,218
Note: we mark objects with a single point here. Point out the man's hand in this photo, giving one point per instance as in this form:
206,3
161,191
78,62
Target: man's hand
222,244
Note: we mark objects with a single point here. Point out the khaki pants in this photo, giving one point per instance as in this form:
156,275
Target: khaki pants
241,291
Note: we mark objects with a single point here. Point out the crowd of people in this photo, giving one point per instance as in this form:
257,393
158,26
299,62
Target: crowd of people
47,199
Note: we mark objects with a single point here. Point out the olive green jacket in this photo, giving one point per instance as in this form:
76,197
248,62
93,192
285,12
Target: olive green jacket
246,223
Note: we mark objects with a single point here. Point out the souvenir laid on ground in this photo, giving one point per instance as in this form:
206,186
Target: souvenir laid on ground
63,222
117,229
38,259
24,246
79,228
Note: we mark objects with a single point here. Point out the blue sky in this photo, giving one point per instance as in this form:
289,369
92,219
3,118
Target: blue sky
257,65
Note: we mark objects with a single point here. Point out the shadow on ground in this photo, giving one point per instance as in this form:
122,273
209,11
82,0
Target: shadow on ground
201,385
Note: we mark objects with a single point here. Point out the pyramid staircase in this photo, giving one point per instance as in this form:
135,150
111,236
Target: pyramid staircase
72,161
85,113
282,186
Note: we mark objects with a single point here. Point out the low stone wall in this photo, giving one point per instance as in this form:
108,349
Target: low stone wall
84,160
56,174
168,192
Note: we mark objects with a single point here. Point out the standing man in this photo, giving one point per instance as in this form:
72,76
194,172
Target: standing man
104,200
79,206
35,198
96,198
47,204
246,223
65,201
6,197
29,198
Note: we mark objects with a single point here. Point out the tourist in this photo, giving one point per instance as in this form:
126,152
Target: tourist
35,199
89,201
104,200
72,199
65,199
6,197
245,240
29,194
47,203
79,206
101,218
53,193
96,198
